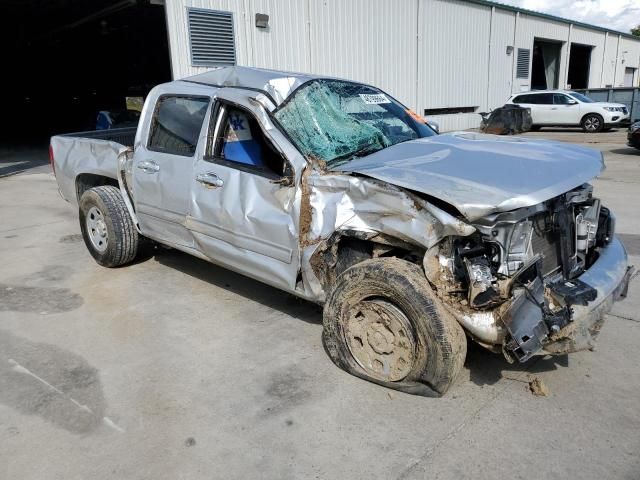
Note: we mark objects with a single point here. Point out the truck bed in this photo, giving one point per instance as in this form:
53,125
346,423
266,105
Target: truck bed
88,153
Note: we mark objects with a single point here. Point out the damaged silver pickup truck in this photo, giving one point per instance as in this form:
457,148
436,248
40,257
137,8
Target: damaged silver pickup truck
335,192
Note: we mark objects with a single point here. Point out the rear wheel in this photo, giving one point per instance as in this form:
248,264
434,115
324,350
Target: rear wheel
592,123
107,228
383,323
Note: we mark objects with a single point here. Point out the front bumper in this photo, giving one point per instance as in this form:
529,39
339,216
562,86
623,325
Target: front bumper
530,335
613,119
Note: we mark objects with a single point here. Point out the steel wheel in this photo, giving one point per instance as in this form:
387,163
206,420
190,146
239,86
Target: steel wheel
97,229
380,339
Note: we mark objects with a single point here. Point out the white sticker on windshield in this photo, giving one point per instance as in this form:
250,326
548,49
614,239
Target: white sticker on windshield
374,98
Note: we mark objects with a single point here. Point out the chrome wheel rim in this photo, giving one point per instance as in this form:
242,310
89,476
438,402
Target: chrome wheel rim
97,229
380,339
592,123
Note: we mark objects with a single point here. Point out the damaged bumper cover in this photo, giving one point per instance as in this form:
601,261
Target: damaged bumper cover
532,332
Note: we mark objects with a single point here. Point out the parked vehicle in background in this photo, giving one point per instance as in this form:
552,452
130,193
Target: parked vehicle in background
337,193
633,135
564,108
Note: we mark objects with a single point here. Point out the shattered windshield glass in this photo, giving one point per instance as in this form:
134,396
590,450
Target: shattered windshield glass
335,121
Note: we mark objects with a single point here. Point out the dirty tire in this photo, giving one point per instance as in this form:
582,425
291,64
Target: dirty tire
592,123
121,234
439,343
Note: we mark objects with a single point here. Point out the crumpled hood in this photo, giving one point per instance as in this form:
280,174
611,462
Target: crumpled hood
482,174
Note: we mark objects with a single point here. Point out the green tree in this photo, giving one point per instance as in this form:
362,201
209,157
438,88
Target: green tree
636,31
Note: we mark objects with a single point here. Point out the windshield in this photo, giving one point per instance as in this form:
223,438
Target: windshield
335,120
581,97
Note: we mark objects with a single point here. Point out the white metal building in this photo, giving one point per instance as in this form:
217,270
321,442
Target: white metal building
444,58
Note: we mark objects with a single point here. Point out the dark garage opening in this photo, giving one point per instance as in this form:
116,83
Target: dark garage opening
579,65
66,60
545,64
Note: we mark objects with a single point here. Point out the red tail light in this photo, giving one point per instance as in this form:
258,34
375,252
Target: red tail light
51,160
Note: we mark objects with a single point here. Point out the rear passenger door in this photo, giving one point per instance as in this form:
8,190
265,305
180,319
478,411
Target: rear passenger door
244,210
545,111
163,166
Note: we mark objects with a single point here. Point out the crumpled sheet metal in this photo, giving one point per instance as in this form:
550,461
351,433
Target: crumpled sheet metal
75,155
482,174
342,202
279,85
606,275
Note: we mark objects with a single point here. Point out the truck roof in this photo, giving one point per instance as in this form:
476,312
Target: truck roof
278,85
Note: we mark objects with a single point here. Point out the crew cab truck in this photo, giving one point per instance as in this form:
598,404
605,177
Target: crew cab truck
332,190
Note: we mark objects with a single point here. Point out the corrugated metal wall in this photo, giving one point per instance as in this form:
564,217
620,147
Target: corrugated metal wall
427,53
372,41
502,68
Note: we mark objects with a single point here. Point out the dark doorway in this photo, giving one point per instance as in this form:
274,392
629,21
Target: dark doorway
579,65
545,65
70,59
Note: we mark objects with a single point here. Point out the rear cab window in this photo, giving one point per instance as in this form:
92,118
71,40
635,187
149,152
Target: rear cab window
176,124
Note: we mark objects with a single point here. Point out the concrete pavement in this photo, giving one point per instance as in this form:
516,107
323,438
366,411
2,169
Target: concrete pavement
174,368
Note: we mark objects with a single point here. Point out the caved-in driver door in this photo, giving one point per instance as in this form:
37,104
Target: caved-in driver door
244,210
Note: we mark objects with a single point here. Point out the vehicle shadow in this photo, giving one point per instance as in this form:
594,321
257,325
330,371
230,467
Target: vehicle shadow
240,285
626,151
487,368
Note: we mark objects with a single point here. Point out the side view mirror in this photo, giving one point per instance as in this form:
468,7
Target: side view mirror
433,124
572,102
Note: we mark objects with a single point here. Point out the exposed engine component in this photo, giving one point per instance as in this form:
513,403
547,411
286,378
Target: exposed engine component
481,280
520,271
587,226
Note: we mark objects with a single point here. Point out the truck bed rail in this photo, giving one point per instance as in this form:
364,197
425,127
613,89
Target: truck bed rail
124,136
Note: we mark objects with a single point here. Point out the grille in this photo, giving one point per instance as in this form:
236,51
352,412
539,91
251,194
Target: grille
546,243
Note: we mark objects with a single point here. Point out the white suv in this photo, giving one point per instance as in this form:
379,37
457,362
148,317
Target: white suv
570,109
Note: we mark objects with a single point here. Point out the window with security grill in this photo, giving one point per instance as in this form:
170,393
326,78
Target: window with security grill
522,67
211,38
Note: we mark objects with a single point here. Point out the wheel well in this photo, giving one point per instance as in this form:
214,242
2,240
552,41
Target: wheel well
85,181
590,113
345,249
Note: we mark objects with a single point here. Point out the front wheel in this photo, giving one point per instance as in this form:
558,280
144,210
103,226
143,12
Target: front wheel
592,123
383,323
107,228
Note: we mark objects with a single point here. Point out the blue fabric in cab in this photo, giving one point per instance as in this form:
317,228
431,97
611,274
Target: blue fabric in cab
239,144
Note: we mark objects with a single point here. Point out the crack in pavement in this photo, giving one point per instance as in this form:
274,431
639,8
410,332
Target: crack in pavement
415,467
623,317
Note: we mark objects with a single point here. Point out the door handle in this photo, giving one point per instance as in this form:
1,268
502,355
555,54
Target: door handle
209,180
148,166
